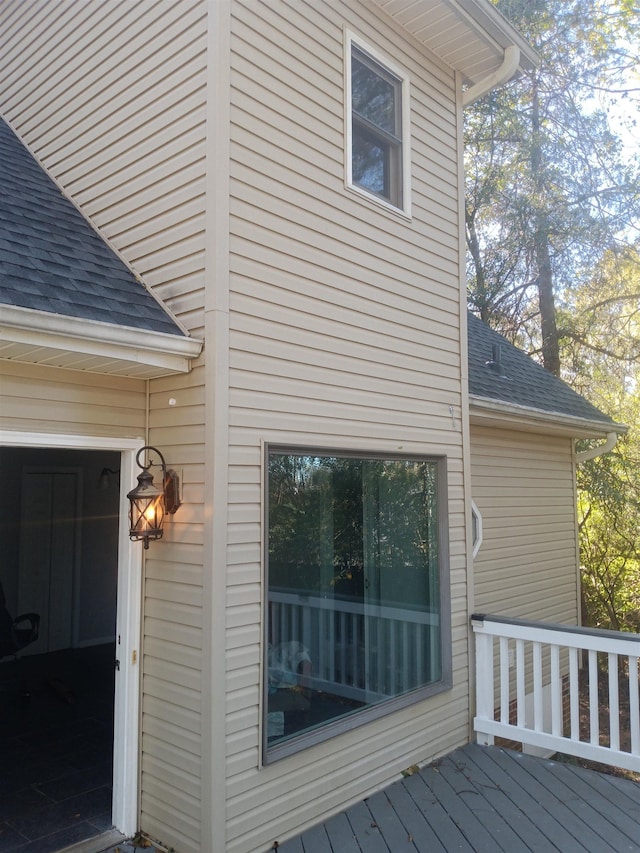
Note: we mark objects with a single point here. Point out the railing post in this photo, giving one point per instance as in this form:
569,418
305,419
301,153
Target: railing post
484,682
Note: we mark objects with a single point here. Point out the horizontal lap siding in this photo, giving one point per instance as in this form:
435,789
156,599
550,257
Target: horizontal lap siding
111,97
523,485
344,330
47,399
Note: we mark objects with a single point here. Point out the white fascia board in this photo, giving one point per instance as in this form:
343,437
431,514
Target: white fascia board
162,352
484,411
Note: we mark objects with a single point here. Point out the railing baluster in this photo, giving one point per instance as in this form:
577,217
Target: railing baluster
306,628
614,702
634,705
504,679
322,645
406,656
556,692
574,694
484,683
390,675
331,645
345,677
520,684
537,687
594,723
355,645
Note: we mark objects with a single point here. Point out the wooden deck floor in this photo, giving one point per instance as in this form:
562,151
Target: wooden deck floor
487,800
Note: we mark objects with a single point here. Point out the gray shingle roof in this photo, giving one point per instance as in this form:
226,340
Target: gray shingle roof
525,382
52,260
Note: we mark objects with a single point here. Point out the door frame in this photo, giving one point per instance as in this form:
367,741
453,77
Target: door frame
126,733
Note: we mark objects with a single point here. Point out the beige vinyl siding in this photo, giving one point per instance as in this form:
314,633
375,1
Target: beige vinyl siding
173,607
523,485
47,399
344,329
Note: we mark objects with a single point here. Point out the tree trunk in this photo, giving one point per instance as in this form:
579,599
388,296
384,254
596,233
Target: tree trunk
473,245
542,247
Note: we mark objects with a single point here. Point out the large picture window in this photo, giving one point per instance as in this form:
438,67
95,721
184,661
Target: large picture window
354,568
377,130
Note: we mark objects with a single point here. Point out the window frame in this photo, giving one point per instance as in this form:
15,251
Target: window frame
341,725
402,204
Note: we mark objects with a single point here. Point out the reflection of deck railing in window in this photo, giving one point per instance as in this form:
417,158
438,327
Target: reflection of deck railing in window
362,652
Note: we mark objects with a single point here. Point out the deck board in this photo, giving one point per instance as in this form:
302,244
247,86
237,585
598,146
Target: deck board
487,799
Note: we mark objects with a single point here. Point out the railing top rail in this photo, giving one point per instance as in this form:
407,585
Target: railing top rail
356,608
481,620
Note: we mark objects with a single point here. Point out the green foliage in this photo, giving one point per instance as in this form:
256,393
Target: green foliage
602,352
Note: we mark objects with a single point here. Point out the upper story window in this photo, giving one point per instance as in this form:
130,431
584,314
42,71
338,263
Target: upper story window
377,127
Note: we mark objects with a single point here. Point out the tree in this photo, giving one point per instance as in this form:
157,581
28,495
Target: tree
550,188
602,354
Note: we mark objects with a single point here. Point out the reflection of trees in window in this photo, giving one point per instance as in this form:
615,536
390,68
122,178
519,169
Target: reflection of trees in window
353,526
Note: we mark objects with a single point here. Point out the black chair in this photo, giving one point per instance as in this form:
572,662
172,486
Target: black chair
16,634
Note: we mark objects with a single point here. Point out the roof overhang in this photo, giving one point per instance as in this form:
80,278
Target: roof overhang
493,413
38,337
471,36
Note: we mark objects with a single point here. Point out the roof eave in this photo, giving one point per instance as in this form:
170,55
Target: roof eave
470,36
487,412
56,340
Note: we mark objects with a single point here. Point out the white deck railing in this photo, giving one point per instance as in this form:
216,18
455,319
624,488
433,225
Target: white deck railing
361,651
523,670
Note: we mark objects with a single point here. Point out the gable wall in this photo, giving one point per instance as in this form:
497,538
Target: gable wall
111,98
344,329
524,487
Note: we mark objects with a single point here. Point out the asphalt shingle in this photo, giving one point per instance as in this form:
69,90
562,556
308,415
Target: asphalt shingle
525,382
52,260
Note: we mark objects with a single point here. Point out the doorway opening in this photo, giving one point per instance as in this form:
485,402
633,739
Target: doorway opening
61,557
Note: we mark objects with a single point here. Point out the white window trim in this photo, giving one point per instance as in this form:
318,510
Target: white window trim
352,39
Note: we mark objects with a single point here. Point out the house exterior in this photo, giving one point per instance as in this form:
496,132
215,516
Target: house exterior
278,305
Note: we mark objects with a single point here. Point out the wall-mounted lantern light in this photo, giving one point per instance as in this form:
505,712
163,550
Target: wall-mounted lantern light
150,503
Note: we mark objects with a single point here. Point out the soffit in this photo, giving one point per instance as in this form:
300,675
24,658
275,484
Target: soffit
53,340
469,35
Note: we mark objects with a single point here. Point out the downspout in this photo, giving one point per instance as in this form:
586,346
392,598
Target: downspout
503,74
600,450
